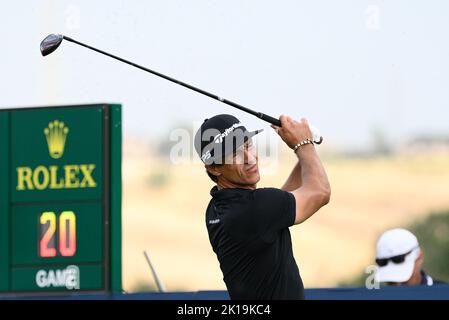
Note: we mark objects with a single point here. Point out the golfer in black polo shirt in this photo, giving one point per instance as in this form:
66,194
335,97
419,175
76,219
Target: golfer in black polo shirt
248,227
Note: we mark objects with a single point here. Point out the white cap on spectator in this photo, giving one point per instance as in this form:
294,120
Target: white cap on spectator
394,243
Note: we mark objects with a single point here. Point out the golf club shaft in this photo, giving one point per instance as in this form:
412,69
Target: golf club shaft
213,96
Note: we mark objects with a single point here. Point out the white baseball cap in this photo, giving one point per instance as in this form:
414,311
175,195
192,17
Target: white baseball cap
403,247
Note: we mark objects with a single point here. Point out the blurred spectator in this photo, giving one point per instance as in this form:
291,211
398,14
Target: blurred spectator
399,259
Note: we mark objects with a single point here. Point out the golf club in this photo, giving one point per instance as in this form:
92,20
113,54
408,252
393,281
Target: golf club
52,42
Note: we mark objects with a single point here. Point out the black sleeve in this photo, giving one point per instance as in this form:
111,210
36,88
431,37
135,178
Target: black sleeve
274,209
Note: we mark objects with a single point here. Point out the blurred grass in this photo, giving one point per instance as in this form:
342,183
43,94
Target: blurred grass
144,286
158,178
433,236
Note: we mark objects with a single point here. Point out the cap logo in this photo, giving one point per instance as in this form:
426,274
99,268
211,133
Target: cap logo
219,137
206,156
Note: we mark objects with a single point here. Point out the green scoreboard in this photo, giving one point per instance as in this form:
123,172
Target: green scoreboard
60,199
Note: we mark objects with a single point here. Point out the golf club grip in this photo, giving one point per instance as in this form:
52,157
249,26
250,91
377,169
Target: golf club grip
271,120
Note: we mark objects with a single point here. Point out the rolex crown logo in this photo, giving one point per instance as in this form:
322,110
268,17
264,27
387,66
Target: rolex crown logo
56,134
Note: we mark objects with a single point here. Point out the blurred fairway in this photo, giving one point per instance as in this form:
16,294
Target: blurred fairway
164,204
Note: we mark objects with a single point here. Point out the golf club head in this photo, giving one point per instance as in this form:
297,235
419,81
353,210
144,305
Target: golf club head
51,43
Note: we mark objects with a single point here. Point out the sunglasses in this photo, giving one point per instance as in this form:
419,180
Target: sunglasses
238,157
396,259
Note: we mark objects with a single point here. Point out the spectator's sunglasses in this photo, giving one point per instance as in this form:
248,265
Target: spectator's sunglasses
396,259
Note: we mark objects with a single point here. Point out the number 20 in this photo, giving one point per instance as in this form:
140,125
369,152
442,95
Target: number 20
67,234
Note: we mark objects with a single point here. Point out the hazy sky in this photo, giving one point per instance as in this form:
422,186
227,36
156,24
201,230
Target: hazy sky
350,66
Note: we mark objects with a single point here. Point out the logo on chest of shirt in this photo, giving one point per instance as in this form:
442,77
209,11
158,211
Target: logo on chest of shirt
214,221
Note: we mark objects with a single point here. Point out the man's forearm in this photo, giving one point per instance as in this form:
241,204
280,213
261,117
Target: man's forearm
315,190
294,180
312,171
